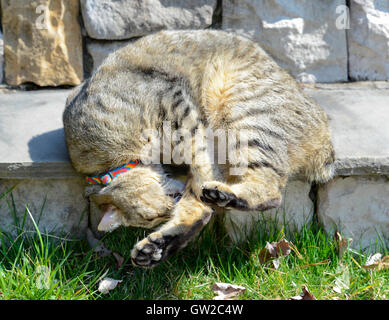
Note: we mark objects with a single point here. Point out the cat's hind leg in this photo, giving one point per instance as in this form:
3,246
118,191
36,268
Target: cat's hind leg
259,188
189,216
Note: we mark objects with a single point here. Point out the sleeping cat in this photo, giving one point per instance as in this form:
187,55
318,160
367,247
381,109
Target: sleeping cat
191,81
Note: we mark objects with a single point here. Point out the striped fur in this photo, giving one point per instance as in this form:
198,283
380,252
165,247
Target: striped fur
195,80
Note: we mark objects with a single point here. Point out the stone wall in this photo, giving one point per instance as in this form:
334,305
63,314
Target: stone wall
317,41
42,42
56,205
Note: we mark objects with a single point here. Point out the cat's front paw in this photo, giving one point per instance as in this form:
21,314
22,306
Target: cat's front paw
150,251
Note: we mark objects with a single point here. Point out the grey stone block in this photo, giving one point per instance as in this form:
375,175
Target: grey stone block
125,19
368,40
302,36
57,205
359,118
296,210
99,50
358,207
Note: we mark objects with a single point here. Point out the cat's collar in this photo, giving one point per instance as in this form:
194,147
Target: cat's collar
108,176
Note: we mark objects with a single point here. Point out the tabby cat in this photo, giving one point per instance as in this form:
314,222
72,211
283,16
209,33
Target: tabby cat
194,81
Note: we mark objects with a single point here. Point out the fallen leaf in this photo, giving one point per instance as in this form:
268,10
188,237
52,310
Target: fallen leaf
276,263
97,245
108,284
119,260
304,295
274,250
226,291
282,247
377,262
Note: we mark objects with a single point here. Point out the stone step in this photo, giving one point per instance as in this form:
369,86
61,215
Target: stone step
32,140
359,117
34,158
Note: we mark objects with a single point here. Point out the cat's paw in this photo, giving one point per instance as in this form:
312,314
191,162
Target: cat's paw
150,251
222,196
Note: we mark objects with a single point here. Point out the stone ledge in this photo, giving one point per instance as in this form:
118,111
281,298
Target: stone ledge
358,115
33,144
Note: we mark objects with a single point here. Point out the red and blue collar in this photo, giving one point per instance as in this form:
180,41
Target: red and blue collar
107,177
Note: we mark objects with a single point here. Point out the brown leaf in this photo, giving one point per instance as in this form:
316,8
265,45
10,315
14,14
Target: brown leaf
119,260
97,245
264,256
226,291
377,262
274,250
304,295
283,248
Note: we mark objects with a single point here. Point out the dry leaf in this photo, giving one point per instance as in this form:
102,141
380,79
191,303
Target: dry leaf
304,295
282,247
119,260
108,284
274,250
97,245
372,260
377,262
226,291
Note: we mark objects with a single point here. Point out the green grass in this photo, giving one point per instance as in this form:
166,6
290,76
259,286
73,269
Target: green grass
44,267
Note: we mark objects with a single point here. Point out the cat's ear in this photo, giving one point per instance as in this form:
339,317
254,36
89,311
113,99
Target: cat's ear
111,219
111,215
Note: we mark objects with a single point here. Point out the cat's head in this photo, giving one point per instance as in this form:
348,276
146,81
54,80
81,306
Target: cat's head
140,197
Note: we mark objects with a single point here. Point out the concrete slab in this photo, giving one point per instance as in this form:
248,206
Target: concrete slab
32,140
359,117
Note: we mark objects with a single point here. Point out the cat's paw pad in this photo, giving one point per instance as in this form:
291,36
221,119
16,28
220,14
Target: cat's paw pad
223,198
149,252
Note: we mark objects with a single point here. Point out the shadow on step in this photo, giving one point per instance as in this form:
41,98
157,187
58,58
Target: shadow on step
49,146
